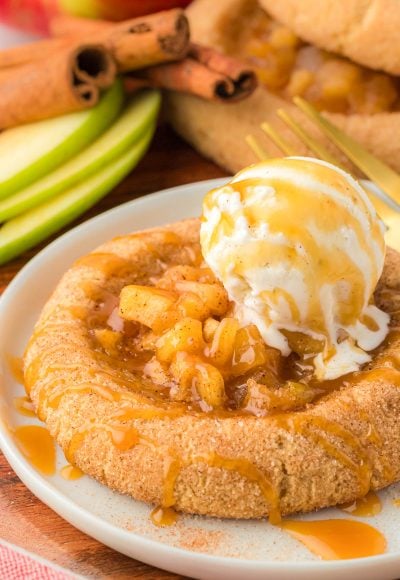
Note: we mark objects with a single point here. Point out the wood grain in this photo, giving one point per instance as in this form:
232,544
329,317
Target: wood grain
27,522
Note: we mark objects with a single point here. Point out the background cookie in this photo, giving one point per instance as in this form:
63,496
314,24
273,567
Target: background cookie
364,31
219,131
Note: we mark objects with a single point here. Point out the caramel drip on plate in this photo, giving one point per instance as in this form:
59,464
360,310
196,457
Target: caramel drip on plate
24,406
163,516
71,473
15,364
37,446
337,539
304,425
367,506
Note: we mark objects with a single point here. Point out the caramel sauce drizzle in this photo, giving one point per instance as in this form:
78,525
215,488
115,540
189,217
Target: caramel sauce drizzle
372,436
337,539
172,469
303,425
24,406
163,516
128,413
334,267
248,470
106,263
71,473
364,507
37,446
106,393
15,364
124,436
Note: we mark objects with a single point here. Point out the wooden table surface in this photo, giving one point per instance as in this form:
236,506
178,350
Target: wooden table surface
27,522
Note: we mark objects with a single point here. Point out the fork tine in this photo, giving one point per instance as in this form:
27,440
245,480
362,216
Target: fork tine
256,147
387,179
278,140
320,151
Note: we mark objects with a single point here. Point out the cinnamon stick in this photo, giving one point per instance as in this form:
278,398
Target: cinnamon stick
206,73
142,42
134,44
187,76
65,82
104,72
243,77
25,53
93,64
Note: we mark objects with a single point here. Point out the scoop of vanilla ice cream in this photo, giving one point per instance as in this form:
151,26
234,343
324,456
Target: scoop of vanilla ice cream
298,246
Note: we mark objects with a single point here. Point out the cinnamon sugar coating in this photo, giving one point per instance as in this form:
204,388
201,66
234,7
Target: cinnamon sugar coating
119,428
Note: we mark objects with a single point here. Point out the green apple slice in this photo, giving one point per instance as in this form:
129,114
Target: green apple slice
31,151
138,115
35,225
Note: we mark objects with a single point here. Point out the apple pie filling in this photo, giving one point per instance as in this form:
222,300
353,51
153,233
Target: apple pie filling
290,67
180,335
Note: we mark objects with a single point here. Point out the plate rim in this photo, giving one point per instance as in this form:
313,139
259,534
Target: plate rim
55,499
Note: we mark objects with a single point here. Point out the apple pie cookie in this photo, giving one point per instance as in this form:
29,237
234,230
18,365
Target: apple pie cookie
154,383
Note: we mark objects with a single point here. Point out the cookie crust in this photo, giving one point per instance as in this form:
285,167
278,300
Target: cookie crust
365,32
237,466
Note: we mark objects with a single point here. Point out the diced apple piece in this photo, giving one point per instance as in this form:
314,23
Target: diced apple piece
222,347
186,335
108,339
192,306
251,352
145,304
210,385
31,151
303,344
209,328
183,370
191,372
213,295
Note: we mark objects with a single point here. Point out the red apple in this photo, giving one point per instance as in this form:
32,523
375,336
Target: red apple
34,15
118,9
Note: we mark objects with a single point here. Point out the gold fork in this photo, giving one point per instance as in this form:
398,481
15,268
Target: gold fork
379,173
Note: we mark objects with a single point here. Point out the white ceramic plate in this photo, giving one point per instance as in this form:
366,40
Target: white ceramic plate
196,547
